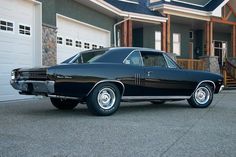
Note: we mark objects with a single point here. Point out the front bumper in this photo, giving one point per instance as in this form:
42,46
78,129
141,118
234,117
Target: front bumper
32,87
221,88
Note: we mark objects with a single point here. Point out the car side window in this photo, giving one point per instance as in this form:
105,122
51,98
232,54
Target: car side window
170,62
134,59
153,59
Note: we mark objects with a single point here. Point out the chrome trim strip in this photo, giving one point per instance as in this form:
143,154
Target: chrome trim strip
62,97
153,97
102,81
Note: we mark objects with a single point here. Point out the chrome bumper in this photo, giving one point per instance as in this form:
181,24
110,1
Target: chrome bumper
221,88
33,87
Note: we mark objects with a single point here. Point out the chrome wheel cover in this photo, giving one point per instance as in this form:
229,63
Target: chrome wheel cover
106,98
202,95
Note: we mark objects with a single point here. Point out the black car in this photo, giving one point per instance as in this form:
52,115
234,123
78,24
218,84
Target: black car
104,77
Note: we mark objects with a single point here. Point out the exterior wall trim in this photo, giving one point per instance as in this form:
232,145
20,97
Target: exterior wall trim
37,55
121,13
77,21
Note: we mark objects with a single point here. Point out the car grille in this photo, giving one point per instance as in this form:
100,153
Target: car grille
33,75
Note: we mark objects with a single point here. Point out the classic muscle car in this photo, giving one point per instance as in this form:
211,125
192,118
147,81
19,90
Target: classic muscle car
103,78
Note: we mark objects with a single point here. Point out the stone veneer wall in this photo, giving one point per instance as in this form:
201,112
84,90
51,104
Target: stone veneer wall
211,64
49,39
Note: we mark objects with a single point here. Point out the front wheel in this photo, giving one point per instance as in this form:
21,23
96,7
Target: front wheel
104,100
202,97
64,104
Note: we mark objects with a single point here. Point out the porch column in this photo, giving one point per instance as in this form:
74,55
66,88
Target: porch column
209,38
163,44
124,34
168,33
234,41
127,34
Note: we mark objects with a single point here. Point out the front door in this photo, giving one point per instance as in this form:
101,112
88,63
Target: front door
220,50
160,80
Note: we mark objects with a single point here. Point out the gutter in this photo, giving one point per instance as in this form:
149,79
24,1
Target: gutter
114,29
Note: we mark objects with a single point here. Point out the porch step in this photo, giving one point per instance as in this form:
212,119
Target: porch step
230,82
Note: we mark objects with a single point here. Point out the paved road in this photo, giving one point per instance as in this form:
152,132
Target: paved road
35,129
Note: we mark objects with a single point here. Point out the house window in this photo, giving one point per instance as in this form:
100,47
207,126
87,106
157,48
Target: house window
78,44
6,26
94,46
158,40
191,35
176,43
59,40
24,30
86,45
69,42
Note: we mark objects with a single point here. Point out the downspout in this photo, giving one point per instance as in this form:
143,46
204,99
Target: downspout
114,29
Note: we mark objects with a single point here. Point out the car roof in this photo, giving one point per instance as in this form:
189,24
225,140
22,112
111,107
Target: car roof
118,54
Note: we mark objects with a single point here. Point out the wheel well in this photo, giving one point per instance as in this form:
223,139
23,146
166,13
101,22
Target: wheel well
211,84
118,84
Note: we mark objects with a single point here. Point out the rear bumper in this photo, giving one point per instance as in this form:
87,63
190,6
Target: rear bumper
32,87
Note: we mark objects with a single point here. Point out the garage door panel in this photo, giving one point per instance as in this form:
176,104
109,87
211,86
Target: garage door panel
16,49
78,31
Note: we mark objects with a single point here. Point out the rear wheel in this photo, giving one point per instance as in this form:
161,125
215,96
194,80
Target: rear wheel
202,97
104,100
64,104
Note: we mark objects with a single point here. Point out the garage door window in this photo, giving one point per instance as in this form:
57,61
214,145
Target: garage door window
94,46
78,44
25,30
69,42
86,45
59,40
6,26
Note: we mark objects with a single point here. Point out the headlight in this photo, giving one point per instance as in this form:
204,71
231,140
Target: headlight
13,75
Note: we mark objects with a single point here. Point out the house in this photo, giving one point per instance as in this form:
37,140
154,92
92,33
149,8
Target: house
45,32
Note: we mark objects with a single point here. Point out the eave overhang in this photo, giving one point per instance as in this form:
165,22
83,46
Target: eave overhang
189,12
131,15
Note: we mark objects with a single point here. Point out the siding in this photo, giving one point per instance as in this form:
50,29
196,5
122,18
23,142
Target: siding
75,10
184,31
149,36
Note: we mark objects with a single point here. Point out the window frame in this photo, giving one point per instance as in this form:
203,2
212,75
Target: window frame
25,25
158,40
70,45
178,54
7,31
155,53
61,40
130,55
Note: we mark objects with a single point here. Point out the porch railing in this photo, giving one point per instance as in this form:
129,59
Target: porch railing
230,69
191,64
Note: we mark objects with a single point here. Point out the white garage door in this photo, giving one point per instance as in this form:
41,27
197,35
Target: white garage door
74,36
17,48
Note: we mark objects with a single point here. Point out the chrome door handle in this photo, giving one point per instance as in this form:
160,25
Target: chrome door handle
149,73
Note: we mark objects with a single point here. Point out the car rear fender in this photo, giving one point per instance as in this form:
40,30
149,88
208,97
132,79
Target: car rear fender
119,84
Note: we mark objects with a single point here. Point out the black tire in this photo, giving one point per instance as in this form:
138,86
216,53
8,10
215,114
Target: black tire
109,100
158,102
64,104
202,96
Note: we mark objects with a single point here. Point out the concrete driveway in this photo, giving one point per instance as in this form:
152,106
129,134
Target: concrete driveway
34,128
